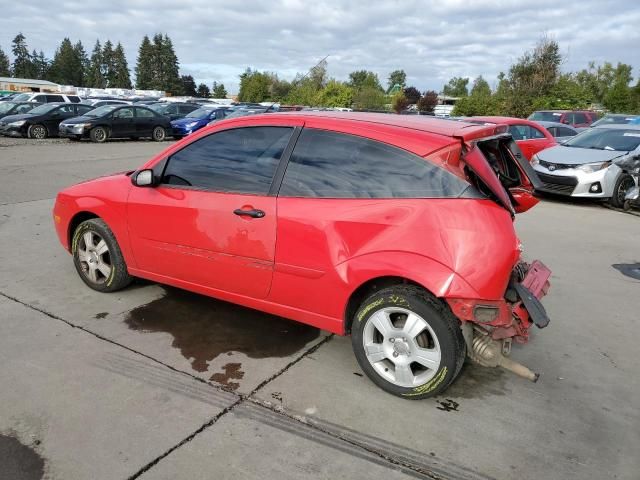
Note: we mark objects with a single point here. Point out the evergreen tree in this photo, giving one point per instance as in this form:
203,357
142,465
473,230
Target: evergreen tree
22,64
5,65
67,68
218,90
121,77
170,66
83,59
203,91
108,67
397,77
144,66
95,77
188,86
41,65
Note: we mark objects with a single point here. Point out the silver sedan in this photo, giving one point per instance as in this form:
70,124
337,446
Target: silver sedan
585,165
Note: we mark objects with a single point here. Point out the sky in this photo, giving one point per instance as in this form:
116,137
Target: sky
431,41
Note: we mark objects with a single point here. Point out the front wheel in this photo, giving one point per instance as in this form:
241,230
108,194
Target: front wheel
623,184
97,257
98,134
407,342
158,134
39,132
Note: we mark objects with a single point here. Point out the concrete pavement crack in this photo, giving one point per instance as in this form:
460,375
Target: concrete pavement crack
242,398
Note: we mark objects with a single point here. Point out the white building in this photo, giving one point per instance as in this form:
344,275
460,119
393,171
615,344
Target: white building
26,85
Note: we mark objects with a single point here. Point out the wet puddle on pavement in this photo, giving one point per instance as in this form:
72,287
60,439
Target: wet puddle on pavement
204,328
631,270
18,461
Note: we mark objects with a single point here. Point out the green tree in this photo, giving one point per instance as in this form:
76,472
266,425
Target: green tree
67,65
5,64
218,90
412,94
95,77
397,77
188,86
335,94
41,65
279,88
165,66
108,65
620,97
457,87
428,102
120,76
22,63
480,87
144,65
203,91
369,98
364,79
254,86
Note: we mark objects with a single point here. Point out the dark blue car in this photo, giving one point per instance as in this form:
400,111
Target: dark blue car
196,120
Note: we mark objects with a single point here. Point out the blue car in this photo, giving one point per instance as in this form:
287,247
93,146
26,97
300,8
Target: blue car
196,120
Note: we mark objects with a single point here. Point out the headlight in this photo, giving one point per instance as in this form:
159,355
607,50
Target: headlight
19,123
535,160
190,125
81,126
594,167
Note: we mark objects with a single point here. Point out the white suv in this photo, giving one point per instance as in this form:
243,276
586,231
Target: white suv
46,98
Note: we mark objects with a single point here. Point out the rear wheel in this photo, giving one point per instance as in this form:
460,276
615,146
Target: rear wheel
407,342
158,134
37,131
97,257
623,184
98,134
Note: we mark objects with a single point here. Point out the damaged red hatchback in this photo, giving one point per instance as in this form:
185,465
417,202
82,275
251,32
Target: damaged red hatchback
395,229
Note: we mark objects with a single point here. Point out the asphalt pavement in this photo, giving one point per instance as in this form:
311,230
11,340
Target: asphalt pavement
156,383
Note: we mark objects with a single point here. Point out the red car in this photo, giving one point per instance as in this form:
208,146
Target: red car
575,118
530,136
395,229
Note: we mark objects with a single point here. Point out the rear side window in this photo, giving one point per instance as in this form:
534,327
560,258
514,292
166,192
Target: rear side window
525,132
187,108
565,132
242,160
42,99
144,113
334,165
580,118
73,98
54,98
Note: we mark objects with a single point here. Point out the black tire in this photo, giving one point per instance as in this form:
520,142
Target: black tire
440,321
99,134
37,131
118,277
624,183
158,134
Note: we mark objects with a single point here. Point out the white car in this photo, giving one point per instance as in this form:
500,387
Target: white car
46,98
585,165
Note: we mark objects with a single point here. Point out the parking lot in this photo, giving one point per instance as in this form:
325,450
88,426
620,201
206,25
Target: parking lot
153,382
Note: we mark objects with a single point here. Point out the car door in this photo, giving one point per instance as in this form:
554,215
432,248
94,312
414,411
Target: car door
123,123
211,221
530,139
144,121
81,109
52,119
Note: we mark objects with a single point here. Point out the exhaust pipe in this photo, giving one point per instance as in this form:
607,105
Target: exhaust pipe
488,352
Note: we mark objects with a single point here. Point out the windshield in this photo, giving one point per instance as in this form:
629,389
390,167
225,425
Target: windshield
6,106
100,111
615,120
244,113
545,116
620,140
44,108
23,97
200,113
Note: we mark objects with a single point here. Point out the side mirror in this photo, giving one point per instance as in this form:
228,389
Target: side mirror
143,178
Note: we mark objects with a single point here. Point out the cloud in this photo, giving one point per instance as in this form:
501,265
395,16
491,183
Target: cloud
431,41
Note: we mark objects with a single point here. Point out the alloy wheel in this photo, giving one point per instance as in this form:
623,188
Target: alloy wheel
94,256
401,346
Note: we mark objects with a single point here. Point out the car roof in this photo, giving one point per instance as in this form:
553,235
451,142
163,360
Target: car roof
545,124
618,126
427,124
504,120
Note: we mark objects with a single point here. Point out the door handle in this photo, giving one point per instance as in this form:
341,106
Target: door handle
249,213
